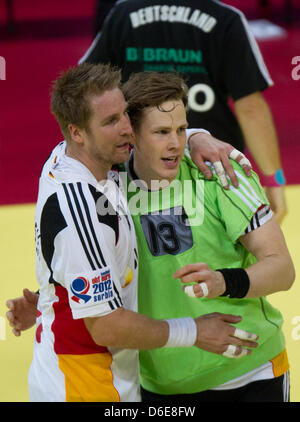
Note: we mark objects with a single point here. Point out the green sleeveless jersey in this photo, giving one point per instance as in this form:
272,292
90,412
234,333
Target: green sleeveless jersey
196,220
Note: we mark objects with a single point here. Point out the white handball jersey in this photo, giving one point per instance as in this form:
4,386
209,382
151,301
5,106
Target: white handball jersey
86,266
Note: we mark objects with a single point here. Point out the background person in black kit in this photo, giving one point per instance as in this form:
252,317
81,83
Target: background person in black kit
101,11
211,45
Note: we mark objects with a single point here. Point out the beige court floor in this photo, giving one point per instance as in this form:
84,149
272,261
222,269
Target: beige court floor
17,270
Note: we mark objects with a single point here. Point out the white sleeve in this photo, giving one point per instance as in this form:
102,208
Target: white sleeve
190,132
84,259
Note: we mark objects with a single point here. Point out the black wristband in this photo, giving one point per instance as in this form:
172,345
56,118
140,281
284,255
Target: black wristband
237,282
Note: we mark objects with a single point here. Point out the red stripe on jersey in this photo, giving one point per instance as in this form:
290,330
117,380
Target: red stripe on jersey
71,335
38,333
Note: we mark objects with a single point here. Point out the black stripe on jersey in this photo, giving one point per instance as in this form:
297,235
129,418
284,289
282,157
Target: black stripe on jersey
114,303
52,222
87,211
252,224
77,227
111,305
135,259
117,303
82,219
128,222
111,218
256,220
117,293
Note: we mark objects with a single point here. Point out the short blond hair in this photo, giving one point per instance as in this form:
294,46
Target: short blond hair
72,90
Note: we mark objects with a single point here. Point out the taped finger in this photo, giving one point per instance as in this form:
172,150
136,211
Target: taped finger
230,351
189,290
244,335
204,288
245,162
218,166
244,352
234,154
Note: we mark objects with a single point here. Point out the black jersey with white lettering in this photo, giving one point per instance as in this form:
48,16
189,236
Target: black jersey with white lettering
206,41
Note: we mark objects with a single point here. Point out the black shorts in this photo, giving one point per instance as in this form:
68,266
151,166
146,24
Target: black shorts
270,390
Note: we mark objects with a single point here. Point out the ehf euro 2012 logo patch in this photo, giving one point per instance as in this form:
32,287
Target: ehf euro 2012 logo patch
98,289
80,287
102,286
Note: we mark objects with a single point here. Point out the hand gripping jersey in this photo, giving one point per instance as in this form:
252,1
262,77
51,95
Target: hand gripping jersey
196,220
86,267
206,41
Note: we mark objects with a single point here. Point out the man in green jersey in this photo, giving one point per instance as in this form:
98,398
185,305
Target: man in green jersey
190,225
188,228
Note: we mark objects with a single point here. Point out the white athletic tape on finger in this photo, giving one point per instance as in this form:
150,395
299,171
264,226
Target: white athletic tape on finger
189,290
234,154
204,288
245,162
230,351
244,335
244,352
218,166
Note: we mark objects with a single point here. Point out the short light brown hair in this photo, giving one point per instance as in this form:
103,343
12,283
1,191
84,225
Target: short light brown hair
72,90
151,89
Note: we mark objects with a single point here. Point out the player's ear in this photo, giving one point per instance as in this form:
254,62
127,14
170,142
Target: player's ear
76,133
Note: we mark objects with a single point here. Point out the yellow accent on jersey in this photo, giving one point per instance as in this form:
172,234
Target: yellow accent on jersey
280,364
88,378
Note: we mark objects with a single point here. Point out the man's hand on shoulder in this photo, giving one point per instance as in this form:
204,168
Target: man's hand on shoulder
204,147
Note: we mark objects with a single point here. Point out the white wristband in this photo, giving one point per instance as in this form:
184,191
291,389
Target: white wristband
182,332
190,132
